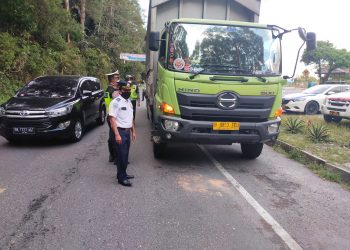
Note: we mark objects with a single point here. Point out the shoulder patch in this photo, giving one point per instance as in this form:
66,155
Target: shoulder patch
118,99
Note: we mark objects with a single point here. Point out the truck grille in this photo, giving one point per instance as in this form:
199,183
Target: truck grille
205,108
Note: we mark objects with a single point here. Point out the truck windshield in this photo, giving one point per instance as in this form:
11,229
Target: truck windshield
226,50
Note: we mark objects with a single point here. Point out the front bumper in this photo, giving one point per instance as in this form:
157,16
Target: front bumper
293,106
335,111
39,128
202,132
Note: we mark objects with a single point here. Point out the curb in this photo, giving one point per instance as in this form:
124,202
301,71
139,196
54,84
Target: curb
344,173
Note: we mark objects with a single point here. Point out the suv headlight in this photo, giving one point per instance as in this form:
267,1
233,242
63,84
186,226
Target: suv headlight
2,111
59,111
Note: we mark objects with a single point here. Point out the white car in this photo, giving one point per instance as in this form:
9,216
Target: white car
336,107
310,100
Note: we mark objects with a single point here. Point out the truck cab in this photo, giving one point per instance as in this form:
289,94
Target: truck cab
214,81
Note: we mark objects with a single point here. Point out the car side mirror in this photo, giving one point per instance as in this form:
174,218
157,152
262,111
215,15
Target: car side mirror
87,93
153,41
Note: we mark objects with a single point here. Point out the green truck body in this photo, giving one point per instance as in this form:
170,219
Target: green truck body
214,81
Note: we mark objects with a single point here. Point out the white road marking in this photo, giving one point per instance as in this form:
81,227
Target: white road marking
291,243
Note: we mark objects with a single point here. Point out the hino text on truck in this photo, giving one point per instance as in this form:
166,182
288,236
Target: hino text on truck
214,74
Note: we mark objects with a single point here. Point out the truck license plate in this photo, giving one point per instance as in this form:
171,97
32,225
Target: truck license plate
226,125
335,113
23,130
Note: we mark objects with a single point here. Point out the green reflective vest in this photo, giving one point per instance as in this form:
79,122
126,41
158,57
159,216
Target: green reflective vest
134,95
107,99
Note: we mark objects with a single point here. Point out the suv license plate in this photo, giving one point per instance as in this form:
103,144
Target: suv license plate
335,113
23,130
226,125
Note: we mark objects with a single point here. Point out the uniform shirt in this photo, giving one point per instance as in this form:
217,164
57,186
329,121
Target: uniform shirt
122,111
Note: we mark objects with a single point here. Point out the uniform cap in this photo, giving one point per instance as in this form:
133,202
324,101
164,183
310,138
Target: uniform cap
114,73
122,83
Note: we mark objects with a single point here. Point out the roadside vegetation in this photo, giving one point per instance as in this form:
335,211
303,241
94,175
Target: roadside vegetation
66,37
328,141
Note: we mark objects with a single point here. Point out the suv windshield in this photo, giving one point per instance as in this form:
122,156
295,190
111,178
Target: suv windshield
219,49
53,87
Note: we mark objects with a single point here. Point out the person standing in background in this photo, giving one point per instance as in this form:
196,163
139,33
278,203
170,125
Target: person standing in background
134,96
110,93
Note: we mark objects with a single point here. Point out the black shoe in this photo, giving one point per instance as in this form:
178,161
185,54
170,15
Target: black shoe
111,158
126,183
130,176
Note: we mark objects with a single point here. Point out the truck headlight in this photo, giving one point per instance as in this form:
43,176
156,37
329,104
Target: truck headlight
171,125
273,128
59,111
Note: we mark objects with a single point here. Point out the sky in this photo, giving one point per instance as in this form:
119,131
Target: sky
328,19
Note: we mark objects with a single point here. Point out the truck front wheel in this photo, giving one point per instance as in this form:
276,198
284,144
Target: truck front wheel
159,150
251,151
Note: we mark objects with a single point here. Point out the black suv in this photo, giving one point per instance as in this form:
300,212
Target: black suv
53,106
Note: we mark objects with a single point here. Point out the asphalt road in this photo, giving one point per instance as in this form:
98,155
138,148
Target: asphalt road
56,195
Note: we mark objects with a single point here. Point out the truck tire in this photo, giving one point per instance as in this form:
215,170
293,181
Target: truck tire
251,151
312,108
329,118
159,150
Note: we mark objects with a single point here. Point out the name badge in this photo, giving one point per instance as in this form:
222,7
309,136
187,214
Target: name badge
123,108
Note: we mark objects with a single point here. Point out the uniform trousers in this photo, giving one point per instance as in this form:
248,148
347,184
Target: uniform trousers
123,153
111,148
133,102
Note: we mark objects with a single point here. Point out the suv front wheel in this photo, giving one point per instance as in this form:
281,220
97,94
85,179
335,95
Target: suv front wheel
329,118
77,131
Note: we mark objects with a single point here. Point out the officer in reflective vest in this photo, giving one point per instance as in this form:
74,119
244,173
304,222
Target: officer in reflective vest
110,93
134,96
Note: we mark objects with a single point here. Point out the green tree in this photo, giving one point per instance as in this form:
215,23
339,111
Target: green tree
44,37
326,59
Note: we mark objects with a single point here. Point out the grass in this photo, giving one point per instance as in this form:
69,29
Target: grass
318,169
336,150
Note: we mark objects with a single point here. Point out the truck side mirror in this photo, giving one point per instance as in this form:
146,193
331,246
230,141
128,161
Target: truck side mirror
310,41
153,41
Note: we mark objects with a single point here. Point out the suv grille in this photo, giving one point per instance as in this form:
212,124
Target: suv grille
37,123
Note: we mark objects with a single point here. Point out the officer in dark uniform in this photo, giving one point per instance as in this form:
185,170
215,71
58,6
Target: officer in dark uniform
121,114
111,92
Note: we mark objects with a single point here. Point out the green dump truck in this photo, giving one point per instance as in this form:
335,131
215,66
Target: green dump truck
214,74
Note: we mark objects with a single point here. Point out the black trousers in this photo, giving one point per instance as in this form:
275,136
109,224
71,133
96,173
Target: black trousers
123,153
111,148
133,102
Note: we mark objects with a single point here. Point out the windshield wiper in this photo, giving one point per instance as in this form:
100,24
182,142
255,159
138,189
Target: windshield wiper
196,74
261,78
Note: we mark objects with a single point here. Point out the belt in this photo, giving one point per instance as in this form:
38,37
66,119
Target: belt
124,129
